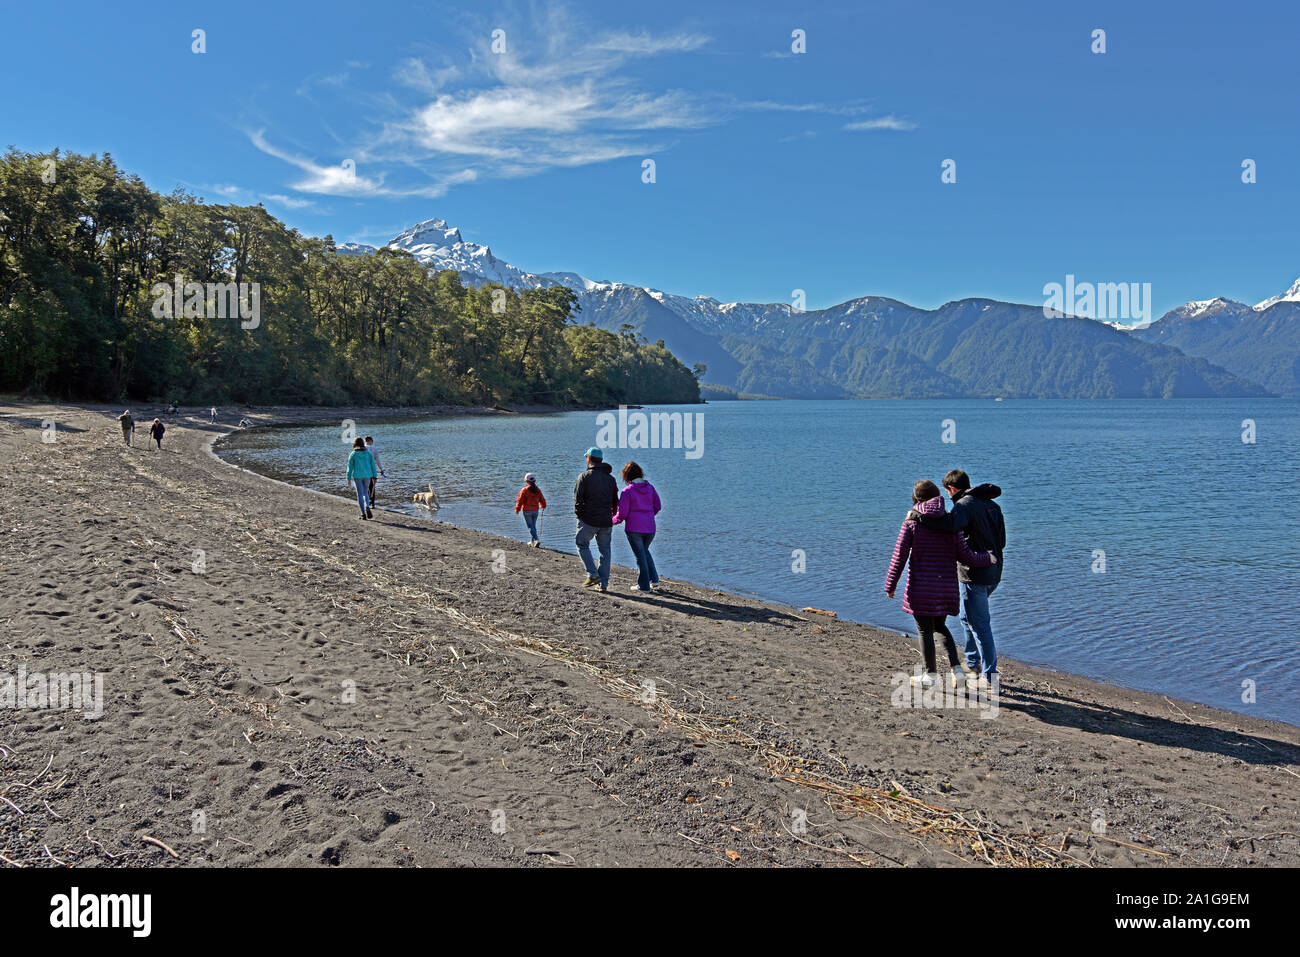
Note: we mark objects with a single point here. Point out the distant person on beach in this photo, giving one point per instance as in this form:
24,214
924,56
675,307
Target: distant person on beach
212,413
931,593
156,431
361,469
979,520
379,468
638,504
595,497
128,426
531,502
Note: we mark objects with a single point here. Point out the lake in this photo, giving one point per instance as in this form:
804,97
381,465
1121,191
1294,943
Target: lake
1148,544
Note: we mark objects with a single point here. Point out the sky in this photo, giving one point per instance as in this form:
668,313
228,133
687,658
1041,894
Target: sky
774,170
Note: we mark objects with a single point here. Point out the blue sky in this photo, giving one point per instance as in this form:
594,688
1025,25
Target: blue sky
774,171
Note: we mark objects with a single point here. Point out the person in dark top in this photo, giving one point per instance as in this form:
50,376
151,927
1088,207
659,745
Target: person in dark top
595,497
156,431
978,518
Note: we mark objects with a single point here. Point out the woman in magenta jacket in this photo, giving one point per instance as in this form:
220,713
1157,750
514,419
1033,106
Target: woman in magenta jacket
931,592
638,504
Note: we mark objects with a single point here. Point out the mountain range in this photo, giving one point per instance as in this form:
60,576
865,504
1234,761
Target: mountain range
874,347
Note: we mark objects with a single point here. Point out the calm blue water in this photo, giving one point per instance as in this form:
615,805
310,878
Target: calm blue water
1199,591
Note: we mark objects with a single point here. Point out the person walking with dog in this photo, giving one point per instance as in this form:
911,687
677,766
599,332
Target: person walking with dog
156,432
128,426
379,469
595,497
361,469
532,503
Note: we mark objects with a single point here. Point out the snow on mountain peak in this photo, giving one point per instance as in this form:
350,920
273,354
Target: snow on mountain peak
1291,295
431,232
1199,307
1207,309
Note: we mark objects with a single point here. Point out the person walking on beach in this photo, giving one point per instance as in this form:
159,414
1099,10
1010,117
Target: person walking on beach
931,592
978,518
212,413
379,470
156,431
128,426
638,504
595,496
361,469
531,502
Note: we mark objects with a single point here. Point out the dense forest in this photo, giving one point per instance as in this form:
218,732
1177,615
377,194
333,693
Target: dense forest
109,290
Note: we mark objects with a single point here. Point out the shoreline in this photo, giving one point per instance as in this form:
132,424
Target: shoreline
408,511
673,729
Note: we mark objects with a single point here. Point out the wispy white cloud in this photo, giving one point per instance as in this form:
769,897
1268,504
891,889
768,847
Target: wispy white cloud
289,202
890,122
645,44
851,108
248,197
548,93
553,97
418,75
344,180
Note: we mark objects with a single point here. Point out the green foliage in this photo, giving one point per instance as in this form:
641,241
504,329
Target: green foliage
1261,346
82,246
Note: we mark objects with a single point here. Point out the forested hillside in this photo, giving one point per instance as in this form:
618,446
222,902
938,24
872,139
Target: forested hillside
110,290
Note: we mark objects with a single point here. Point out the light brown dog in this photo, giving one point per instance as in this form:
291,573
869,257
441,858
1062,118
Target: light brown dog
427,499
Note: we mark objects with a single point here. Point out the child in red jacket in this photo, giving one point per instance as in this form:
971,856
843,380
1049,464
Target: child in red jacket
531,502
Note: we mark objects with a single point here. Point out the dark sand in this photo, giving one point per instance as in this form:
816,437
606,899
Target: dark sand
517,698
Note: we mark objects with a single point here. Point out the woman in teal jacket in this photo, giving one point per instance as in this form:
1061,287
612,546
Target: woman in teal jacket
361,469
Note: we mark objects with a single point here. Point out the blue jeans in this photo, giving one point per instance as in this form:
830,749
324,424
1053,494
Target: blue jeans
640,542
363,494
980,649
583,541
530,519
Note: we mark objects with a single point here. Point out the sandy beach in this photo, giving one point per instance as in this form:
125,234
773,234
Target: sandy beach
284,684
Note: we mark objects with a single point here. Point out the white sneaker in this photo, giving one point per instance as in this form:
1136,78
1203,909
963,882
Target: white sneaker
922,681
958,678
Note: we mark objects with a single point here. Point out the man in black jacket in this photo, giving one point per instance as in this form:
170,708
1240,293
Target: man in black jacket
975,515
595,498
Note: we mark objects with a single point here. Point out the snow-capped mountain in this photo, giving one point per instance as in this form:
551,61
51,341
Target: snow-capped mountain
1291,295
1219,306
875,346
1260,342
442,247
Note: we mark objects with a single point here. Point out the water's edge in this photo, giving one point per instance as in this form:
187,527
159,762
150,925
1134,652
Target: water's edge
222,445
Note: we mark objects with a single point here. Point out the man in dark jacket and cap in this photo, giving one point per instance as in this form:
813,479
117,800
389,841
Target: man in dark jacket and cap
975,515
595,498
